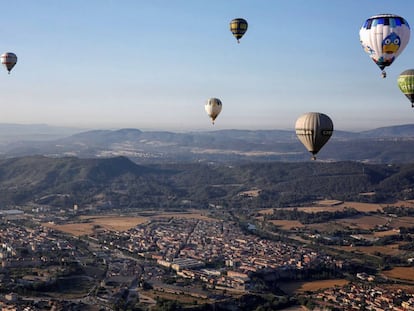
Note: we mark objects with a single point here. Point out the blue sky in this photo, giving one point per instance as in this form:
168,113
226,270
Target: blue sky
152,64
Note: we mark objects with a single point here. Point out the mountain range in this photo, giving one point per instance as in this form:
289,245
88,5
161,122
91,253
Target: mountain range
394,144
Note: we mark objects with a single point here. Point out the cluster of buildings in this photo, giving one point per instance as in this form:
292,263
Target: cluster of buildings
23,246
188,245
366,297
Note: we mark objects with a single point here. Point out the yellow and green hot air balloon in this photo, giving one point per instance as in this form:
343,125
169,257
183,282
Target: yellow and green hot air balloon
406,84
238,27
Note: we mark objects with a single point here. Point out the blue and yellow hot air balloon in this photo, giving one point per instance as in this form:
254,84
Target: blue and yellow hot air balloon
238,27
384,37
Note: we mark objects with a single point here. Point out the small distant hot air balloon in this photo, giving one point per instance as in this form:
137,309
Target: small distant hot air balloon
314,130
406,84
213,108
8,60
238,27
384,37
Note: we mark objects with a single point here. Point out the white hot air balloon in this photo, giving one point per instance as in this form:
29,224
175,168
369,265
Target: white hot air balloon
384,37
314,129
8,60
213,108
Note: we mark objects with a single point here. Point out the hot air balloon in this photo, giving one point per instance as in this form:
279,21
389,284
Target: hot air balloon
406,84
314,130
213,108
8,60
384,37
238,27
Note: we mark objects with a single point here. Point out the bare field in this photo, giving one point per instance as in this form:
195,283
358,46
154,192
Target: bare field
300,287
380,234
116,222
402,222
402,273
365,222
73,229
113,223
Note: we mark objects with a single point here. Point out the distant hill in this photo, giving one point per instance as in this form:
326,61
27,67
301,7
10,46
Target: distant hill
118,183
10,132
398,131
393,144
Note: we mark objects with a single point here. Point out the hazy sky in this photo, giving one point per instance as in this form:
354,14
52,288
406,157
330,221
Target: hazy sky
152,64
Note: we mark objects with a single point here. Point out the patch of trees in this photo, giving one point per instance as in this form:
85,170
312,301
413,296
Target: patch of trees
322,271
406,247
392,239
314,217
400,211
406,230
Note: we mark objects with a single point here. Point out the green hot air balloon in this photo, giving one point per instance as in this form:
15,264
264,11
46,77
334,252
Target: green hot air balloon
238,27
406,84
314,129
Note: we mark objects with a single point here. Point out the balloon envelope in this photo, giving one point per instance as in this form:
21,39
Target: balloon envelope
8,60
213,108
314,129
384,37
238,27
406,84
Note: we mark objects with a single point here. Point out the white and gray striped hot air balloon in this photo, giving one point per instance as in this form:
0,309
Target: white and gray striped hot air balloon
314,130
213,108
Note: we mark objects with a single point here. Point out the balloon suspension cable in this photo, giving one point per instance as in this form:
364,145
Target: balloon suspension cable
383,74
238,41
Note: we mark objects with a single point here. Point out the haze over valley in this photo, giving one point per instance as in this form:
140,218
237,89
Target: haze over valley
381,145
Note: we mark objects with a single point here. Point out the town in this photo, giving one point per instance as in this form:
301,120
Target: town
208,260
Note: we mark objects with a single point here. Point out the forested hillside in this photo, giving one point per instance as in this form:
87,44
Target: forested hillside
120,183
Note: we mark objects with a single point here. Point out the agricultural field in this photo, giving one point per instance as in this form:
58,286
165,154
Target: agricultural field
371,222
334,206
401,273
287,224
391,249
301,287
